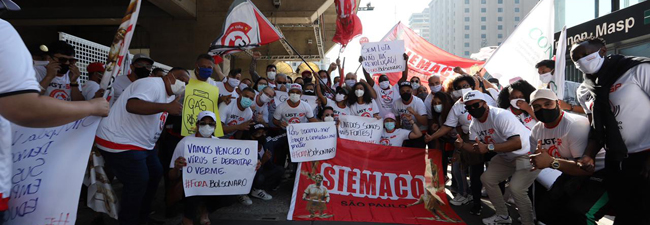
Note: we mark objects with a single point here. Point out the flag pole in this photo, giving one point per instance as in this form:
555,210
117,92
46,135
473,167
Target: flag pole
328,89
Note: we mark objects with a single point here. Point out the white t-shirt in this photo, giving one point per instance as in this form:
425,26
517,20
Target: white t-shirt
17,75
231,115
338,110
179,151
123,130
119,85
223,91
395,138
89,89
401,111
568,139
500,125
299,114
260,109
526,120
585,98
630,104
427,105
59,87
386,98
458,115
364,110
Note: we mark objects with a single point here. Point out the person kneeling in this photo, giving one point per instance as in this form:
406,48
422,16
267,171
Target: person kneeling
396,136
578,196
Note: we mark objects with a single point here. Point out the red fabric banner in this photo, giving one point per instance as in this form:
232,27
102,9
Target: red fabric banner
425,59
373,183
348,24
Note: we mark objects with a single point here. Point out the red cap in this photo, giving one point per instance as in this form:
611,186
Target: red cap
95,67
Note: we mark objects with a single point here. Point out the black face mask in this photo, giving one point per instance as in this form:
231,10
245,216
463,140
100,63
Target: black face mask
141,72
547,115
406,96
477,112
307,80
64,69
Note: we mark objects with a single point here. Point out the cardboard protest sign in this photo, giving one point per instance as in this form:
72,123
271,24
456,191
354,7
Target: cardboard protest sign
311,100
48,170
373,183
363,129
199,96
218,166
312,141
280,97
383,57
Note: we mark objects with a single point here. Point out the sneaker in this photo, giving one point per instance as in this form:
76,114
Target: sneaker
261,194
245,200
459,200
476,210
497,220
470,198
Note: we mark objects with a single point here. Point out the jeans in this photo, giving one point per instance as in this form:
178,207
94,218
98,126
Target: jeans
629,191
140,173
499,170
458,174
476,185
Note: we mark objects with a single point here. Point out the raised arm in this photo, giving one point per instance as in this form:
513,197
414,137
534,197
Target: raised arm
253,67
405,73
320,95
220,75
371,82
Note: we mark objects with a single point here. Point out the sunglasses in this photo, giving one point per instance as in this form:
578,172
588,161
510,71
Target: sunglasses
65,60
473,106
277,82
212,124
462,87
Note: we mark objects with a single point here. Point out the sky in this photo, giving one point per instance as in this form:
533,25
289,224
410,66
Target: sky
387,13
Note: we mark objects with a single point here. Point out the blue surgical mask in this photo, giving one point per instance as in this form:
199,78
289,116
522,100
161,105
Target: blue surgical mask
246,102
389,125
205,73
261,87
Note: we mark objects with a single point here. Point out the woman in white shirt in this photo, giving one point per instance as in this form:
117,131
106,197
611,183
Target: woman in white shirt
361,102
393,136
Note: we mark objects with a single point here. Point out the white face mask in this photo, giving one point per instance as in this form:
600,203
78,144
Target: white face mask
243,86
178,88
340,97
546,77
590,64
41,63
233,82
206,131
265,98
384,84
513,102
358,93
437,108
294,97
461,92
328,119
324,80
350,83
435,88
270,75
415,85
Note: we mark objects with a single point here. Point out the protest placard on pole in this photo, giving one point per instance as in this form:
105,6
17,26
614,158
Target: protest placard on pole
280,97
218,166
363,129
200,96
312,141
48,170
383,57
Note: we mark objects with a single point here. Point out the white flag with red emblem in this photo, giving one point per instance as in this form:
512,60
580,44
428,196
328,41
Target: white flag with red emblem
245,28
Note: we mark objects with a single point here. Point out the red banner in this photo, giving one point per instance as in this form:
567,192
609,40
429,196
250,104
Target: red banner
425,59
373,183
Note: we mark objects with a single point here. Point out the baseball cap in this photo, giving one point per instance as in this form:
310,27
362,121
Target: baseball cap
473,95
137,57
405,83
95,67
389,116
295,86
206,113
9,5
542,94
257,126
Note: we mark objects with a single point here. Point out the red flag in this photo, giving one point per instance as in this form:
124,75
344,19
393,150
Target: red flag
348,24
425,59
245,28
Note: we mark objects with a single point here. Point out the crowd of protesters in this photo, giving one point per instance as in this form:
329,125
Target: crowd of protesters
499,138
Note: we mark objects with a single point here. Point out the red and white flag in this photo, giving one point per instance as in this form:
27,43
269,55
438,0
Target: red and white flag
245,28
348,24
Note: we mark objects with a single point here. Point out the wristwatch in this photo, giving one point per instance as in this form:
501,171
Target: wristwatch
490,147
555,164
